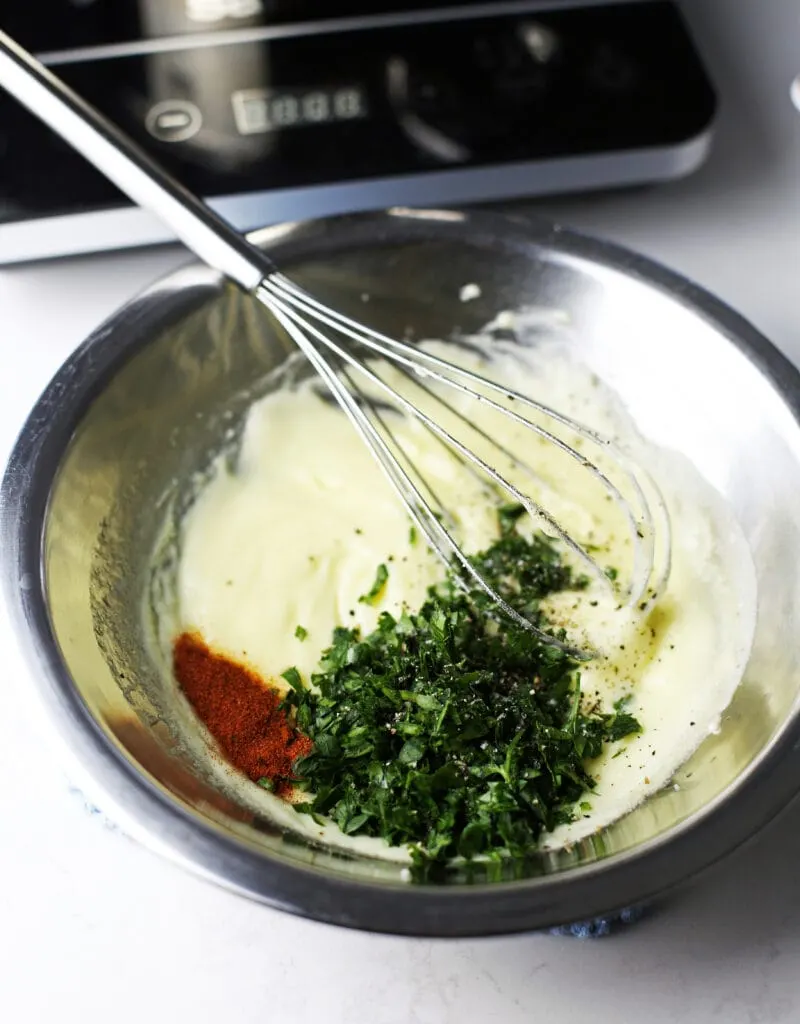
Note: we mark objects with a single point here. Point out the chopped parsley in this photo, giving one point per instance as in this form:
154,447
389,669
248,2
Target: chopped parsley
621,723
292,677
376,590
507,516
448,731
301,632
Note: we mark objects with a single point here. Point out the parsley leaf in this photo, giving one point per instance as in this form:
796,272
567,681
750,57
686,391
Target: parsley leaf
507,516
292,677
375,591
301,632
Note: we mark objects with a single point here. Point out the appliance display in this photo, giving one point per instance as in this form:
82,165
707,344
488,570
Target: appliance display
273,119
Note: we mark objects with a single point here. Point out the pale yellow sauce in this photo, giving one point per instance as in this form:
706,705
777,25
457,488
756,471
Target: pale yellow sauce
294,536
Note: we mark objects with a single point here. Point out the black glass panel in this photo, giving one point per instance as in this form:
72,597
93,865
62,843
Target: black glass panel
346,106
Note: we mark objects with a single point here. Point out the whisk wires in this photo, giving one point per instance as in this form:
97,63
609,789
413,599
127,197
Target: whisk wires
355,379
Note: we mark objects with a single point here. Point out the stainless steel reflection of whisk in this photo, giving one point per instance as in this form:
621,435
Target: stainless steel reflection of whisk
343,352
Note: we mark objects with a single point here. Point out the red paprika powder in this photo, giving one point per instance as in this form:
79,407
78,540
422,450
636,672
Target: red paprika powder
241,712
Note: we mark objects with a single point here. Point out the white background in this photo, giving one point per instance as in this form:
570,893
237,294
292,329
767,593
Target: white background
94,928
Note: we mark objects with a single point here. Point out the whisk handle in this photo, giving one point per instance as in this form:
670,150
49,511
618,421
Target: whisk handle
129,167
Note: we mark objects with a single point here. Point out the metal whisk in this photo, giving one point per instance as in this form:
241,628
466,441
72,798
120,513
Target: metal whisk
348,355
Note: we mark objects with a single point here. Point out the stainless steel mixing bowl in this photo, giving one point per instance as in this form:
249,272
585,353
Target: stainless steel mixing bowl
139,405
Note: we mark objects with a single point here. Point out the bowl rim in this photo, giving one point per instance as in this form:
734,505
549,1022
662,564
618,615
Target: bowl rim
624,879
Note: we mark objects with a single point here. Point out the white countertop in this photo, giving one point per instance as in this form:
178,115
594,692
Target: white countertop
92,927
